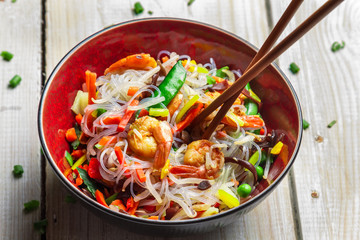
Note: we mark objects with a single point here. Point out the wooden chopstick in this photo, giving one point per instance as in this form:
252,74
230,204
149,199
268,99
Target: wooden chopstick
267,45
260,65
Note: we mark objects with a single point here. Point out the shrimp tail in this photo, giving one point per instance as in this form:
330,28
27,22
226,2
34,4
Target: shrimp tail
185,171
161,155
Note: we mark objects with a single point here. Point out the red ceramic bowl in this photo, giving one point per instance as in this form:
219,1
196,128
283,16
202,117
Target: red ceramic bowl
281,108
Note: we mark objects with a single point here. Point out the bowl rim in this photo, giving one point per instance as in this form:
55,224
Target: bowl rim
134,219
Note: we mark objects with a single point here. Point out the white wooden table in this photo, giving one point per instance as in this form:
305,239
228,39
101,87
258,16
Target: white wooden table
41,32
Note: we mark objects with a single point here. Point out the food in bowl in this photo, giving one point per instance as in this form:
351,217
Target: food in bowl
134,148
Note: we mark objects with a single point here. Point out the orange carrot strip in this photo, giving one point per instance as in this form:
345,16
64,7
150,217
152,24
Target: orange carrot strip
100,198
119,204
109,120
78,118
90,83
140,173
107,140
126,118
70,135
153,218
79,181
164,59
132,90
67,172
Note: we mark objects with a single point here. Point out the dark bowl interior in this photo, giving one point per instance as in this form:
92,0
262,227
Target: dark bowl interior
281,109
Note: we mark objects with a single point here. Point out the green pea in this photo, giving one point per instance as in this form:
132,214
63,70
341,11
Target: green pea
244,190
260,172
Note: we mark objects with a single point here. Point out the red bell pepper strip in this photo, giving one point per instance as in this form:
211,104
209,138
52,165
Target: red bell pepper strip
189,118
132,210
120,157
90,79
100,198
93,169
126,118
129,203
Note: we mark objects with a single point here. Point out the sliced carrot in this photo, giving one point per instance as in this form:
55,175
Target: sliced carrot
79,181
90,78
107,140
67,172
100,198
70,135
126,118
252,121
153,218
140,173
132,90
119,204
164,59
109,120
78,118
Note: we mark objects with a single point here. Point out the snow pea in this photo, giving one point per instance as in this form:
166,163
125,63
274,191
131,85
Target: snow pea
172,83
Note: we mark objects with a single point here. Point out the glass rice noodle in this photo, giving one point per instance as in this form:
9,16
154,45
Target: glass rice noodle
125,180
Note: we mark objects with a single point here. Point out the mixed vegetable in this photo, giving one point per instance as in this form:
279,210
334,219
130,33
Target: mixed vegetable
133,148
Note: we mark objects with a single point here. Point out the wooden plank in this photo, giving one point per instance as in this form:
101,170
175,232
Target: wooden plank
327,86
67,27
18,122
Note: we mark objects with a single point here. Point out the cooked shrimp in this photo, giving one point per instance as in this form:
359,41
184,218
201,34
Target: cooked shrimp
151,138
137,61
195,163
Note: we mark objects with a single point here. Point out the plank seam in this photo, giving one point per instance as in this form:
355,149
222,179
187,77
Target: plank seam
43,79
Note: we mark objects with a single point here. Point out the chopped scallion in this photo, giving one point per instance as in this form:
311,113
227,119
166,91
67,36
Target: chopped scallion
18,171
150,12
7,56
294,68
305,124
190,2
31,205
14,81
336,46
138,8
40,226
70,199
331,124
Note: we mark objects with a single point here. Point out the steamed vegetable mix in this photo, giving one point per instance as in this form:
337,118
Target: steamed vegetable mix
135,150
